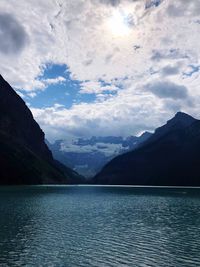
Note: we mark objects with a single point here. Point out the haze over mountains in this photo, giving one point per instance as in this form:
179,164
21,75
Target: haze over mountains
171,156
88,156
24,156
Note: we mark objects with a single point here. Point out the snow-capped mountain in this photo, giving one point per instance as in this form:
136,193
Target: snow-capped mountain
88,156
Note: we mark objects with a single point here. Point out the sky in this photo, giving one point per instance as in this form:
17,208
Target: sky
102,67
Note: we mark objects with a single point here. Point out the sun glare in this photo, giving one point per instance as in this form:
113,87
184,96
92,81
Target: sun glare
118,24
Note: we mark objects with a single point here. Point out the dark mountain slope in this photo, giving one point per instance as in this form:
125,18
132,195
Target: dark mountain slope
171,156
16,120
24,156
179,121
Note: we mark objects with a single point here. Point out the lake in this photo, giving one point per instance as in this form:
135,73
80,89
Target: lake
74,226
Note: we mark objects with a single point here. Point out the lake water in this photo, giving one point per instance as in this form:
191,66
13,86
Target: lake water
99,226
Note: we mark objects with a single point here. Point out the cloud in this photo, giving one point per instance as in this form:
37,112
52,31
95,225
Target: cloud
96,87
159,51
110,2
184,8
170,70
169,54
168,90
121,115
12,34
76,34
56,80
151,3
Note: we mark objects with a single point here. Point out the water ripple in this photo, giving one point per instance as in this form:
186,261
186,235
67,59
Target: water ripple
98,227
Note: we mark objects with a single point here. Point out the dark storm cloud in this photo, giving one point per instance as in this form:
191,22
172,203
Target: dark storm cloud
13,37
168,90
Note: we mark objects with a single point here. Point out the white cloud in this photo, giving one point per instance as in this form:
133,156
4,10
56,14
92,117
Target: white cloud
124,114
162,44
95,87
32,94
57,80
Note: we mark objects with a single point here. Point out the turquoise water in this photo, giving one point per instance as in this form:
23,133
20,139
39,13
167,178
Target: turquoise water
99,226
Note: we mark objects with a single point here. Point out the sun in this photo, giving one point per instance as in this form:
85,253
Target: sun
118,24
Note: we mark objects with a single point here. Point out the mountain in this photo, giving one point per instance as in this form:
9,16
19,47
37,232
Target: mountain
88,156
180,121
171,157
24,156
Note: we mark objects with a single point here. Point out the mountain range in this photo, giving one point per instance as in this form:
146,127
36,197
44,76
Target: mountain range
88,156
170,157
24,156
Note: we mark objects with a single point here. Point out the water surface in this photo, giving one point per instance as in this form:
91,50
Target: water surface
99,226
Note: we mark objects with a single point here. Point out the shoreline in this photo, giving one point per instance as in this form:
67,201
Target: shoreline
109,186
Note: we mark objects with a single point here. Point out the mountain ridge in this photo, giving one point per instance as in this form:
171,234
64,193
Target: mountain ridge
168,159
24,156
